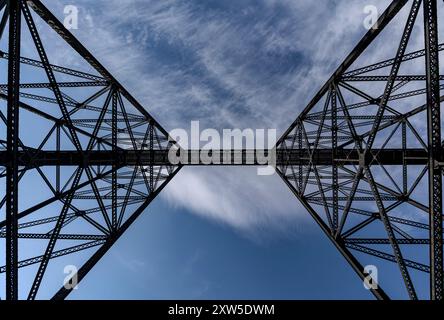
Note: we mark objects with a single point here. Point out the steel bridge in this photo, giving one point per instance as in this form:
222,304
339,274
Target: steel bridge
364,157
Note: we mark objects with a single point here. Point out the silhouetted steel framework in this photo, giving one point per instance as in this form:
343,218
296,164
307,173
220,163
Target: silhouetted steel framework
358,157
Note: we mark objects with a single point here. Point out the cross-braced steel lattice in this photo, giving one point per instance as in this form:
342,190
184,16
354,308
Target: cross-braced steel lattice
82,159
380,122
87,119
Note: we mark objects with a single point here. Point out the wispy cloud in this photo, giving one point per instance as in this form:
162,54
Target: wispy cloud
236,197
229,64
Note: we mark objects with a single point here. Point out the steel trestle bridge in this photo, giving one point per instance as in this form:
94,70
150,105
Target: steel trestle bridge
365,157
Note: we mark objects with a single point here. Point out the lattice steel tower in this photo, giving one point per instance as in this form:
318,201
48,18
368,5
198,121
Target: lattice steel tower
81,159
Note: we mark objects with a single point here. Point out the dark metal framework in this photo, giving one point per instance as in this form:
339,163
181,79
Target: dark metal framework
359,157
373,207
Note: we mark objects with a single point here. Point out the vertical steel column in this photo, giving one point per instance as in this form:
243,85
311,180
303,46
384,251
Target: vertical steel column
334,166
114,175
300,146
151,168
404,159
58,150
12,178
434,146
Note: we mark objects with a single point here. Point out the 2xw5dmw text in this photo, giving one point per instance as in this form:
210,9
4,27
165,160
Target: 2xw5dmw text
226,309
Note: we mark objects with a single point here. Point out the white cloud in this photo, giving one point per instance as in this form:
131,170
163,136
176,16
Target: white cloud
236,197
226,52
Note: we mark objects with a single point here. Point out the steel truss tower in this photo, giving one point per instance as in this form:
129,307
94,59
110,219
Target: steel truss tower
81,159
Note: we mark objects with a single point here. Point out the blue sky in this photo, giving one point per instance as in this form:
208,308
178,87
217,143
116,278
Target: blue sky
180,256
222,233
247,64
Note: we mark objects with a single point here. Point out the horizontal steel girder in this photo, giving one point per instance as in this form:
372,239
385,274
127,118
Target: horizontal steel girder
33,158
